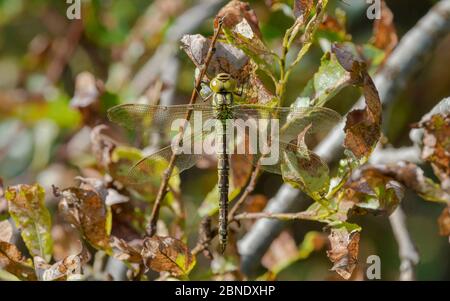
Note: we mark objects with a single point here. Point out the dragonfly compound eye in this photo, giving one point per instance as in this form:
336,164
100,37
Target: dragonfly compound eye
216,85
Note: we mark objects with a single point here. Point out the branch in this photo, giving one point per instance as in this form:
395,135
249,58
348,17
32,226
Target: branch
151,229
406,249
278,216
399,68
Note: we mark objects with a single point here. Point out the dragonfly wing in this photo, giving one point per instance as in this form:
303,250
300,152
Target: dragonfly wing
162,119
139,173
188,153
291,121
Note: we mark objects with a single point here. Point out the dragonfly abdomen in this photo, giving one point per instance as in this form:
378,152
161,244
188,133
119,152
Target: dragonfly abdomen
223,167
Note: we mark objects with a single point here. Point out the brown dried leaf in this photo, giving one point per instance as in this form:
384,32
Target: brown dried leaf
413,178
167,254
302,8
363,127
66,241
444,222
86,210
12,261
63,269
281,249
6,231
384,31
234,13
87,97
226,58
436,146
126,251
102,145
344,251
372,191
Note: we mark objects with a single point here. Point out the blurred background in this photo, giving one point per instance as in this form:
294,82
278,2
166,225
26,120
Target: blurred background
131,49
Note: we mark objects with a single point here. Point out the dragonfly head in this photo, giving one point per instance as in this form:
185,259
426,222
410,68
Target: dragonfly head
223,83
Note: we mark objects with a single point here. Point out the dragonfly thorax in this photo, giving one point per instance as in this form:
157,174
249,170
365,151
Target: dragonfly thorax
221,99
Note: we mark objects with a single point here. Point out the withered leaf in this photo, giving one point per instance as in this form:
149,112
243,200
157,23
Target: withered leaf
363,127
344,251
167,254
302,8
123,250
6,231
384,32
87,96
413,177
63,269
436,146
374,192
102,145
234,12
32,218
240,28
281,249
86,210
12,261
444,222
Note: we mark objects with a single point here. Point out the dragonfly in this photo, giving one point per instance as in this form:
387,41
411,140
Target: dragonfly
221,107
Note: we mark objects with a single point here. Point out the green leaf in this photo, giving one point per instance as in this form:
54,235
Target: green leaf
326,82
27,208
307,173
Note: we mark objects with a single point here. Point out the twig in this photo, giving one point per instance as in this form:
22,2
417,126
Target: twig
249,187
400,66
406,249
278,216
151,229
64,51
206,234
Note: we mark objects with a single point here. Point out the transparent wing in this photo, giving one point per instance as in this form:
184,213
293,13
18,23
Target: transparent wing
185,159
291,121
157,118
284,154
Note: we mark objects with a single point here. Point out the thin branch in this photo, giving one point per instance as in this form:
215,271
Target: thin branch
64,51
406,249
278,216
151,229
400,66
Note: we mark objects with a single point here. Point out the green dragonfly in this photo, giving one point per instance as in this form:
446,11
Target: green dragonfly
286,122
